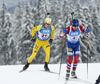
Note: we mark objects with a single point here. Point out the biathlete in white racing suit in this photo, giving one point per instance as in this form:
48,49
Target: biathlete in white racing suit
73,45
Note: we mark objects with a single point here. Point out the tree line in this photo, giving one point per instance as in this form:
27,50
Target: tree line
15,30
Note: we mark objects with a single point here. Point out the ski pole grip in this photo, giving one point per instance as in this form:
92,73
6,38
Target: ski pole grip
87,27
72,13
48,13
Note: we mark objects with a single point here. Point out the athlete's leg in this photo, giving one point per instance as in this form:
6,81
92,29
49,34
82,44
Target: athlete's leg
46,48
35,50
70,56
76,58
70,59
76,55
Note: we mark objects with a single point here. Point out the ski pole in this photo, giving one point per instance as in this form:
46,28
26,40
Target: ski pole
61,57
72,15
72,18
87,54
63,49
31,46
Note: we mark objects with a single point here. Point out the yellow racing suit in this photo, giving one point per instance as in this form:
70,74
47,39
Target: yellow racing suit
42,41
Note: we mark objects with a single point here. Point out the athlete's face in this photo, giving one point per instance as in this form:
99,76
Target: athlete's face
75,28
47,25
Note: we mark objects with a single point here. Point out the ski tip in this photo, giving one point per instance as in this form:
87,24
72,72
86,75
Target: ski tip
74,77
65,82
46,71
50,71
48,13
21,71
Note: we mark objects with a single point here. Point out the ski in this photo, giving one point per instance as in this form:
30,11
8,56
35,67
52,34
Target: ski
69,79
66,81
50,72
21,71
77,80
41,70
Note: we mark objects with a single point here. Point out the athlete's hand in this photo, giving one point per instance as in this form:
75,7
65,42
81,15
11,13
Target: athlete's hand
33,39
87,32
50,41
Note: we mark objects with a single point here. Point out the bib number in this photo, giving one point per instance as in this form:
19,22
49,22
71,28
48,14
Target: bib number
74,39
44,36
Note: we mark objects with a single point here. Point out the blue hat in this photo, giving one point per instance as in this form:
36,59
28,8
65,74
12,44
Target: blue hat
75,22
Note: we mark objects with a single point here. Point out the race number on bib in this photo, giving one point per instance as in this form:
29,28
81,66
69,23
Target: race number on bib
73,39
43,36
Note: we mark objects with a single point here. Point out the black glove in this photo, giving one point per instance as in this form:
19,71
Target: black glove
33,39
50,41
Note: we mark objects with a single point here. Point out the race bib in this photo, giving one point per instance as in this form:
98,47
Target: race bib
43,36
73,39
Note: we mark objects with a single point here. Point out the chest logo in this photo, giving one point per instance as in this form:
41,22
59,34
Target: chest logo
75,33
46,31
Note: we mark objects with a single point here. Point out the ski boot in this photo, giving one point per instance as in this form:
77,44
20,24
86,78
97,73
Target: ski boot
67,74
26,66
73,73
46,67
97,82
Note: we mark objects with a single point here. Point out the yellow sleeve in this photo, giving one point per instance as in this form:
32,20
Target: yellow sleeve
53,31
37,28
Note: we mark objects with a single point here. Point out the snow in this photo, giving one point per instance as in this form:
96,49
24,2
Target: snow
9,74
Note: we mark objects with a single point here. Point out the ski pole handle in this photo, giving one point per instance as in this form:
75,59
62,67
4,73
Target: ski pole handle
72,15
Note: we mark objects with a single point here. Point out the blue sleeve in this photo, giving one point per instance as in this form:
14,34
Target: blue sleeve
64,31
87,31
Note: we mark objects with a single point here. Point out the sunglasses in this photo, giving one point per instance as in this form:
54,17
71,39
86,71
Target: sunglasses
75,27
48,24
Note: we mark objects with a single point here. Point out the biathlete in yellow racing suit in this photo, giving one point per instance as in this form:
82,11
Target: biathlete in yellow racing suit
44,32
